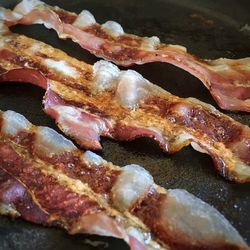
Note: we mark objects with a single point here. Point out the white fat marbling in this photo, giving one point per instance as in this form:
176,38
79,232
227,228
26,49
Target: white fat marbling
75,116
184,213
13,123
3,28
183,109
182,137
35,47
93,158
2,43
27,6
197,147
224,64
242,170
67,113
220,67
62,67
8,209
105,76
84,19
245,61
244,64
150,43
113,28
49,142
133,182
8,15
132,88
184,49
136,234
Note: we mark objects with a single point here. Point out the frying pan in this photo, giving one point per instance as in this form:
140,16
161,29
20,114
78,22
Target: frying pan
209,30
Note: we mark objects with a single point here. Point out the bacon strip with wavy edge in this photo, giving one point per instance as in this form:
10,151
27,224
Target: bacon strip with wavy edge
88,101
45,179
227,80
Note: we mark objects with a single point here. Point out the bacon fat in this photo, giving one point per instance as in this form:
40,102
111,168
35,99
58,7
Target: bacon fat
227,80
45,179
91,101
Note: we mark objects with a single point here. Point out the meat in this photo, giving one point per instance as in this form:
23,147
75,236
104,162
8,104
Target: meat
97,101
45,179
227,80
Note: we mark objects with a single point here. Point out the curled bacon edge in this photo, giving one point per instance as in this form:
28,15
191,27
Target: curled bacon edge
227,80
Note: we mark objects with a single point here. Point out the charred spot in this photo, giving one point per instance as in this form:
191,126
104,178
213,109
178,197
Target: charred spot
119,53
99,177
96,30
42,55
160,107
55,198
129,40
17,45
19,60
78,86
25,139
87,75
37,66
65,16
218,128
148,207
89,107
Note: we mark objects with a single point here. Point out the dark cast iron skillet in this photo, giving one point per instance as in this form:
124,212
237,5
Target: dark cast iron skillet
209,30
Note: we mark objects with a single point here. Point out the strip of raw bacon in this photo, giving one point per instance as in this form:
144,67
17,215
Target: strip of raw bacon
45,179
87,102
227,80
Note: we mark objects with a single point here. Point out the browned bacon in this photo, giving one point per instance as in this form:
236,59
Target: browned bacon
88,101
228,80
45,179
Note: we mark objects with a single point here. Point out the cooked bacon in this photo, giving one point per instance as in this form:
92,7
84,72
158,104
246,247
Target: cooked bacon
227,80
45,179
88,102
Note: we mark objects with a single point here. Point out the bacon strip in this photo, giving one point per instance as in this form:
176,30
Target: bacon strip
45,179
227,80
87,102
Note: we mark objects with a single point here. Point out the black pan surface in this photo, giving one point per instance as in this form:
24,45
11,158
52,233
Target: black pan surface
209,30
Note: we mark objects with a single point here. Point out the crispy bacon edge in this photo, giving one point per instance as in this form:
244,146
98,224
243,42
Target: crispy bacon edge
45,179
227,80
84,114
